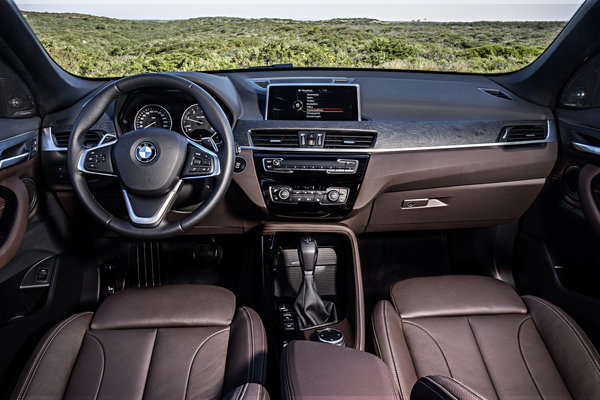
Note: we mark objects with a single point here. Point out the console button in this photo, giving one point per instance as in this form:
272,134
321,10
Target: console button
284,194
333,195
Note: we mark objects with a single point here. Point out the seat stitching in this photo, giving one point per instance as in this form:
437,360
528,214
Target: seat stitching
463,387
482,359
187,382
263,375
251,337
38,359
442,388
236,392
426,384
434,341
389,343
150,362
242,393
288,371
569,325
103,364
523,356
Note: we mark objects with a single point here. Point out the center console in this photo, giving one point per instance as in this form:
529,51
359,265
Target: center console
310,186
313,284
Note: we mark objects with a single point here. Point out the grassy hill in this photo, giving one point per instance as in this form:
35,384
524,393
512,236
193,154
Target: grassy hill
103,47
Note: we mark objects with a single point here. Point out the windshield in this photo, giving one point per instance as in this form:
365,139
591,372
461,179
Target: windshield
111,38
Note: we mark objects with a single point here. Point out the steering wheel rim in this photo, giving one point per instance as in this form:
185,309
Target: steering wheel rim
93,111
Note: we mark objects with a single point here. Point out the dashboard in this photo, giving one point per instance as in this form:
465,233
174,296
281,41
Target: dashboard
373,150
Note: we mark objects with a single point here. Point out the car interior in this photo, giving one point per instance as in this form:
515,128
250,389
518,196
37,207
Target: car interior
300,233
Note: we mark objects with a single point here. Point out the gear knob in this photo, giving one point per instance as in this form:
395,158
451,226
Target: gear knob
307,253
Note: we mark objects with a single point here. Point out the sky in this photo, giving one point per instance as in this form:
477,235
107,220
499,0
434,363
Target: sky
388,10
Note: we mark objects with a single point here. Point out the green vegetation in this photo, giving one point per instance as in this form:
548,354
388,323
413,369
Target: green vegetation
103,47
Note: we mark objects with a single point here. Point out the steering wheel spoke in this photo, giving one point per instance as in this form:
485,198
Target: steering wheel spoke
149,211
97,160
201,162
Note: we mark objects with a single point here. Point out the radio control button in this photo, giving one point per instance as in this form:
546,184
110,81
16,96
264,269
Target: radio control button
284,194
277,162
333,195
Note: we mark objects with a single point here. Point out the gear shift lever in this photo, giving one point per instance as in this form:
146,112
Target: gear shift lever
307,253
311,309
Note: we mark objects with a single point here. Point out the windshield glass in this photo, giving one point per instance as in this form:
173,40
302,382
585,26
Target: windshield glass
112,38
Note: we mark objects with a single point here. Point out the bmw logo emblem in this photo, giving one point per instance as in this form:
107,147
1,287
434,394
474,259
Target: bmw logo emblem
145,152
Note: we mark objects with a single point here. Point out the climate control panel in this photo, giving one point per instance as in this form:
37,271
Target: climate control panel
287,194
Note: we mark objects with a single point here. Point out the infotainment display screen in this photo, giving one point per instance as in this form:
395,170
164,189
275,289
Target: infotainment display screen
328,102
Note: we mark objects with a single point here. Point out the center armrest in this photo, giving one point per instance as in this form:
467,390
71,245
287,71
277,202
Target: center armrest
311,370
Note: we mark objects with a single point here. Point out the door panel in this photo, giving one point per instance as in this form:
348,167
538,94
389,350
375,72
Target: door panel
557,256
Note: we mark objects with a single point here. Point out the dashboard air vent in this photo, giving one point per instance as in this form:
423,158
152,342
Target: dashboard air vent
92,138
349,139
262,84
522,133
61,139
274,138
497,93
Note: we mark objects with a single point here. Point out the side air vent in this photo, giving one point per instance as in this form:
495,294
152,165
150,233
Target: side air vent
61,139
92,138
274,138
497,93
349,140
522,133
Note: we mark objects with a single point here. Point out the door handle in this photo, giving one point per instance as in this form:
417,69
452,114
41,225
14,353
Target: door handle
7,162
586,148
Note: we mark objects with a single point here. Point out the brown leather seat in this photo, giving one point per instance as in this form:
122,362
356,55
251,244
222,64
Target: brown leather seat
470,337
171,342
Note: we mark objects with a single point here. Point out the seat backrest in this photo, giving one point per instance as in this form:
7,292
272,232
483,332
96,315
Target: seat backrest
159,343
474,329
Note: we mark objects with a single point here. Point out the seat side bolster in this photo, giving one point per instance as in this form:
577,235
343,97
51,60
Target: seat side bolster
248,391
247,352
574,355
442,388
48,370
391,346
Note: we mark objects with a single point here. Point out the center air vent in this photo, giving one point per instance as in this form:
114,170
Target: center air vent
349,140
522,133
274,138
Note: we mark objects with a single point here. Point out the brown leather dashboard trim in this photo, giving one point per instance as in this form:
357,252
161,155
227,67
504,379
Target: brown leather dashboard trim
21,218
588,203
433,169
273,228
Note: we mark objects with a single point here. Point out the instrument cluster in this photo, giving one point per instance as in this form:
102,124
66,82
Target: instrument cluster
169,111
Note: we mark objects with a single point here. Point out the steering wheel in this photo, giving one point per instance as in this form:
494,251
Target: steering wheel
151,164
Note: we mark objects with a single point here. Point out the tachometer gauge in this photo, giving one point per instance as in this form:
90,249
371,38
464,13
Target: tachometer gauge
153,116
195,126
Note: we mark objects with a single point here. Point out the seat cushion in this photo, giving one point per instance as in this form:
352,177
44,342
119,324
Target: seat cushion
158,343
477,331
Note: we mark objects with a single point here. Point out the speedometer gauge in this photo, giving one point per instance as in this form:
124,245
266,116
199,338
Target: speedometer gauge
195,126
153,116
